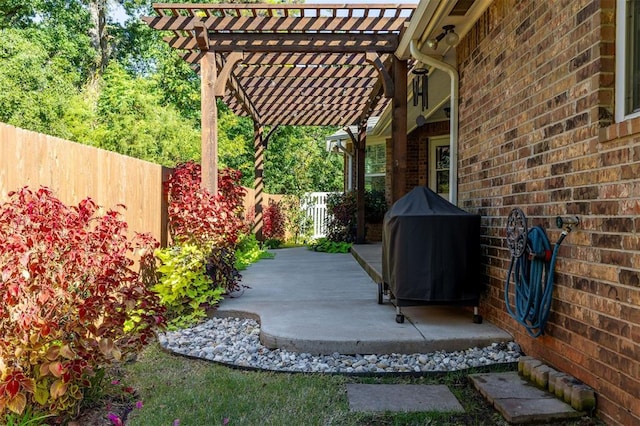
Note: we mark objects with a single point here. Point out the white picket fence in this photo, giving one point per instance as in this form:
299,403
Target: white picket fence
315,206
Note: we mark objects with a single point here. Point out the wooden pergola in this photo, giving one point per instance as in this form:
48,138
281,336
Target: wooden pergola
285,64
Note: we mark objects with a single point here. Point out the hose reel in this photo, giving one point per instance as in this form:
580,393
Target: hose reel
532,266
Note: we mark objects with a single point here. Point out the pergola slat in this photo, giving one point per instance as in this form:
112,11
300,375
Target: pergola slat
279,24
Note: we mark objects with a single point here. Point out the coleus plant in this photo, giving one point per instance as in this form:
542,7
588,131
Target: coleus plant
205,229
70,299
274,222
196,216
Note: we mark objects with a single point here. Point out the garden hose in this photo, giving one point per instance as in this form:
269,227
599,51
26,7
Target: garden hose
533,280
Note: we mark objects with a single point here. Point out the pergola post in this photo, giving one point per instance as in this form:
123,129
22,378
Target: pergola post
399,130
258,183
209,111
360,155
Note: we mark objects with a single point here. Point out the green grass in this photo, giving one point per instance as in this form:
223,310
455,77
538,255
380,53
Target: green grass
201,393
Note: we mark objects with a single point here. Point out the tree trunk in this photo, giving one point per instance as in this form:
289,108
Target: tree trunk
99,39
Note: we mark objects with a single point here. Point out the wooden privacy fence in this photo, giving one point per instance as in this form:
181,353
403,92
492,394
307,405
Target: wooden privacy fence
75,172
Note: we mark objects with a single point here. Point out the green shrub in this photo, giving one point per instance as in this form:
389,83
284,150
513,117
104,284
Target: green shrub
328,246
184,286
248,251
298,224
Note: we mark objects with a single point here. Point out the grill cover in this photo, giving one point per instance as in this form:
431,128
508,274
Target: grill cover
431,250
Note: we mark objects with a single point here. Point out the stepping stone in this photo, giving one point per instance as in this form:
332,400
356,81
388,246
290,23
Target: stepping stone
405,398
519,401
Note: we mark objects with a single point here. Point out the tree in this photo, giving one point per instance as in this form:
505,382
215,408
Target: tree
34,84
296,162
130,119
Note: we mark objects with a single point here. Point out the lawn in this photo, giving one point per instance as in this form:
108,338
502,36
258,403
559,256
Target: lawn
179,390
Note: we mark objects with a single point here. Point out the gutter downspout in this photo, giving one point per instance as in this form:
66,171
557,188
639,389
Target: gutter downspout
453,132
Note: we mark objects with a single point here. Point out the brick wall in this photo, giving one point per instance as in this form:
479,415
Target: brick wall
536,87
418,152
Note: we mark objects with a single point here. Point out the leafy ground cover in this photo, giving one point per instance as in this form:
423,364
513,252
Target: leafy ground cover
195,392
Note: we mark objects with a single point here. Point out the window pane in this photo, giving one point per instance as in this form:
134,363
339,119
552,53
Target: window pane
375,159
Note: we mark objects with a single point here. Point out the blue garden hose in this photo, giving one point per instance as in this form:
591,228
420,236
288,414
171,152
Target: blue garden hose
533,280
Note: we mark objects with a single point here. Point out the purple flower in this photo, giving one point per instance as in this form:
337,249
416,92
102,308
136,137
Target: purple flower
115,419
115,382
176,422
225,421
139,405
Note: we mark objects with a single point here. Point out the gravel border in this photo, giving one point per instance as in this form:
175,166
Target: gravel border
236,342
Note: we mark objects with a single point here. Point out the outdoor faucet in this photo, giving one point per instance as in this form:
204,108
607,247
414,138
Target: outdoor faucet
567,222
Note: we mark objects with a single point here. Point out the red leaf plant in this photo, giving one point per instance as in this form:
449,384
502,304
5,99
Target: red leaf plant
198,217
70,301
274,221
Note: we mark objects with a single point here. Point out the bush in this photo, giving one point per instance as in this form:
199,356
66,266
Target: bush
342,213
198,217
71,302
375,206
298,224
328,246
274,220
341,217
248,251
201,267
184,287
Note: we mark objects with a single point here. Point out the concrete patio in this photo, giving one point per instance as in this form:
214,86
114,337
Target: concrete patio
322,303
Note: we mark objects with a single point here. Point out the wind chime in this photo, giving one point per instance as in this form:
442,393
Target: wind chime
420,85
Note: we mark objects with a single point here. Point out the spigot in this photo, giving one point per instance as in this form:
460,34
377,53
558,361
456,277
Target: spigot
567,222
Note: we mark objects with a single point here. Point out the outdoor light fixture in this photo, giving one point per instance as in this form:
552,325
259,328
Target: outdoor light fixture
420,85
449,36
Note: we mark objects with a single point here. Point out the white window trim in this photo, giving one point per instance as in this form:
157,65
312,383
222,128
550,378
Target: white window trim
621,56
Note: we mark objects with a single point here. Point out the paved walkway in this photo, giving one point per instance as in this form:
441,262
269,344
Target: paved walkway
323,303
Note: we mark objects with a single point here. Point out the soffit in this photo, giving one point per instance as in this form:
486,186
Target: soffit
292,64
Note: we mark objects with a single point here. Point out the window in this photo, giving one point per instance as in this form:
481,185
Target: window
627,59
439,165
375,161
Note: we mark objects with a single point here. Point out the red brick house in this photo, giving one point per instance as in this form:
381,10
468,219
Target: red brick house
530,104
548,120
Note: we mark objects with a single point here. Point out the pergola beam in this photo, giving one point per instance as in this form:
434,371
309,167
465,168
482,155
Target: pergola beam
293,43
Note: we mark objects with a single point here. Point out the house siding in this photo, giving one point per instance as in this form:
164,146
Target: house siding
536,132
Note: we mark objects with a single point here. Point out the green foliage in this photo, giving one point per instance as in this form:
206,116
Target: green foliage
375,206
184,286
298,224
248,251
129,119
342,211
272,243
296,161
328,246
34,84
28,418
147,102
